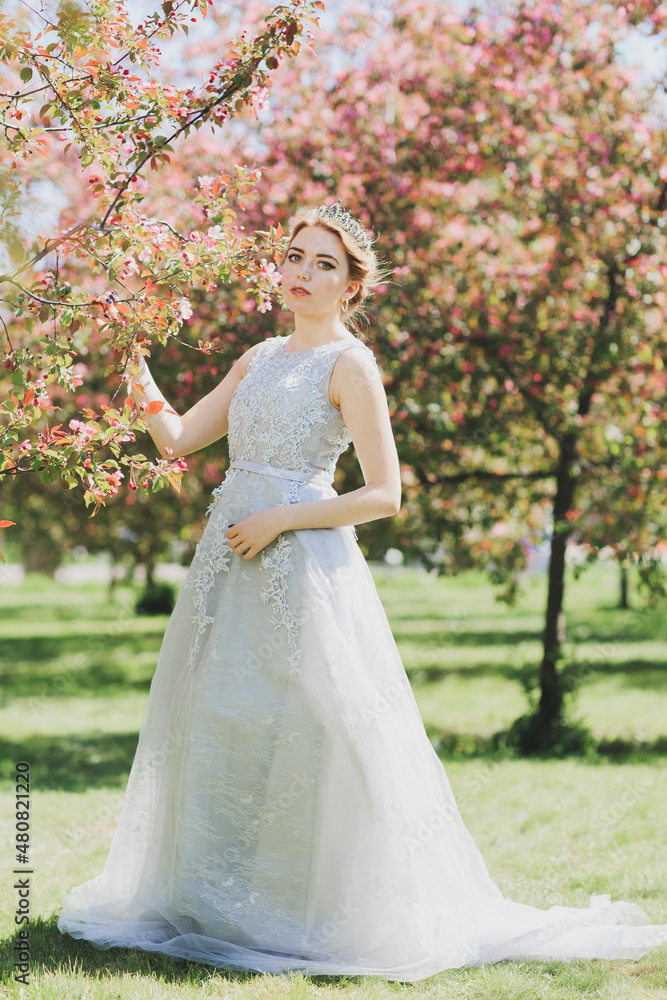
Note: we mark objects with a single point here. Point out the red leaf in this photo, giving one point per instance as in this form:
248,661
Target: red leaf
154,407
5,524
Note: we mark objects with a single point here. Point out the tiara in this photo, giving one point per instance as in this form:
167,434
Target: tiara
347,222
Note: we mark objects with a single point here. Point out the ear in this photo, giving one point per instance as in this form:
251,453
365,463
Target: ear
353,288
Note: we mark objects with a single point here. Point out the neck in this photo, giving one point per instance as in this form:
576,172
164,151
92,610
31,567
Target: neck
312,331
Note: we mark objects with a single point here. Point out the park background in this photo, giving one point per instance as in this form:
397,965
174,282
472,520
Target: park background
511,160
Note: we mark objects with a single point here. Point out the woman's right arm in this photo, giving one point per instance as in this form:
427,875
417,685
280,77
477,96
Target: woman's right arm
204,423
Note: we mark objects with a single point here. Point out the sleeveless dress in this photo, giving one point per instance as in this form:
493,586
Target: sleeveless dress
285,809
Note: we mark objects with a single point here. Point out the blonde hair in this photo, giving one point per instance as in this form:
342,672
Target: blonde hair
364,266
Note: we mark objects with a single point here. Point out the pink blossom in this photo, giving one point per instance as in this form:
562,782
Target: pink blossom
272,273
184,308
114,480
499,529
82,429
260,96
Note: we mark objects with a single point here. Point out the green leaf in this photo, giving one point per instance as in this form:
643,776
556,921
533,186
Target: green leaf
26,74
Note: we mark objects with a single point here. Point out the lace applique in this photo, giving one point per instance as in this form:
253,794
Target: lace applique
279,404
290,495
278,558
226,894
340,442
230,476
211,556
199,819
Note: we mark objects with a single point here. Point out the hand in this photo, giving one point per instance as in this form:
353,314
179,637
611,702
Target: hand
255,532
143,378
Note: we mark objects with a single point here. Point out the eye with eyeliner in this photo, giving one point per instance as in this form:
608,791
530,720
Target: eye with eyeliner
298,256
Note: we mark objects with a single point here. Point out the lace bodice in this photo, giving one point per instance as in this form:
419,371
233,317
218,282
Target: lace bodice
280,412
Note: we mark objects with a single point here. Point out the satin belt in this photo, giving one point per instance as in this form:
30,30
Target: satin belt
319,478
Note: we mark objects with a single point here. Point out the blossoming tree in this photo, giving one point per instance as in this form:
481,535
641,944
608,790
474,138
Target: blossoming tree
516,176
517,182
83,91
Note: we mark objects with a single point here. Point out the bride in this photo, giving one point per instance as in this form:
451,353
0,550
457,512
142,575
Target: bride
285,809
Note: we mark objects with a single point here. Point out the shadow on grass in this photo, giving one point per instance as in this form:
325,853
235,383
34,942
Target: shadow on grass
430,673
638,673
462,637
53,952
100,677
608,624
68,763
43,648
72,764
450,745
68,609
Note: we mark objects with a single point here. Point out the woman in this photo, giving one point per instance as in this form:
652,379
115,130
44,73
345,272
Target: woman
285,808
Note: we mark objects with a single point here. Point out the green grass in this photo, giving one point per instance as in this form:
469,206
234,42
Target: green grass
76,670
464,651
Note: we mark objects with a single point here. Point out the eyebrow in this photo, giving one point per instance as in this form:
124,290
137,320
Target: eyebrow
299,250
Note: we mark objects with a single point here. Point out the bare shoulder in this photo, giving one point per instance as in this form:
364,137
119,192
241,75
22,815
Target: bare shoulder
240,366
355,368
249,354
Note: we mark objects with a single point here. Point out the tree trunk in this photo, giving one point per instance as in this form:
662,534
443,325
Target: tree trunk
623,600
551,697
42,558
150,575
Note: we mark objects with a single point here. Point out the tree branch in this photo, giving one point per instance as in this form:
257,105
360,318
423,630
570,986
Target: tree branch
590,379
47,249
201,115
11,346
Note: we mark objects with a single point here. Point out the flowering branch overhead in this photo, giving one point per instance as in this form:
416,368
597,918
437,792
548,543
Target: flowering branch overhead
100,111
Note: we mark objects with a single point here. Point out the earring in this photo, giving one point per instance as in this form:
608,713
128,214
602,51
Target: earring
345,305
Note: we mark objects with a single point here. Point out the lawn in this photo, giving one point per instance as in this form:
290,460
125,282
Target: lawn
76,670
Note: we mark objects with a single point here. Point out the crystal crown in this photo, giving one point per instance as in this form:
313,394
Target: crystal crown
347,222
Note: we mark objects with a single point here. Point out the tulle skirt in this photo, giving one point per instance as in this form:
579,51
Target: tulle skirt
285,809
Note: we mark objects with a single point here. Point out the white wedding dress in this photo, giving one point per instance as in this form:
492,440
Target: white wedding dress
285,809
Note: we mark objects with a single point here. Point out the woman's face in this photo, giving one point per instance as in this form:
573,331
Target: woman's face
315,276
